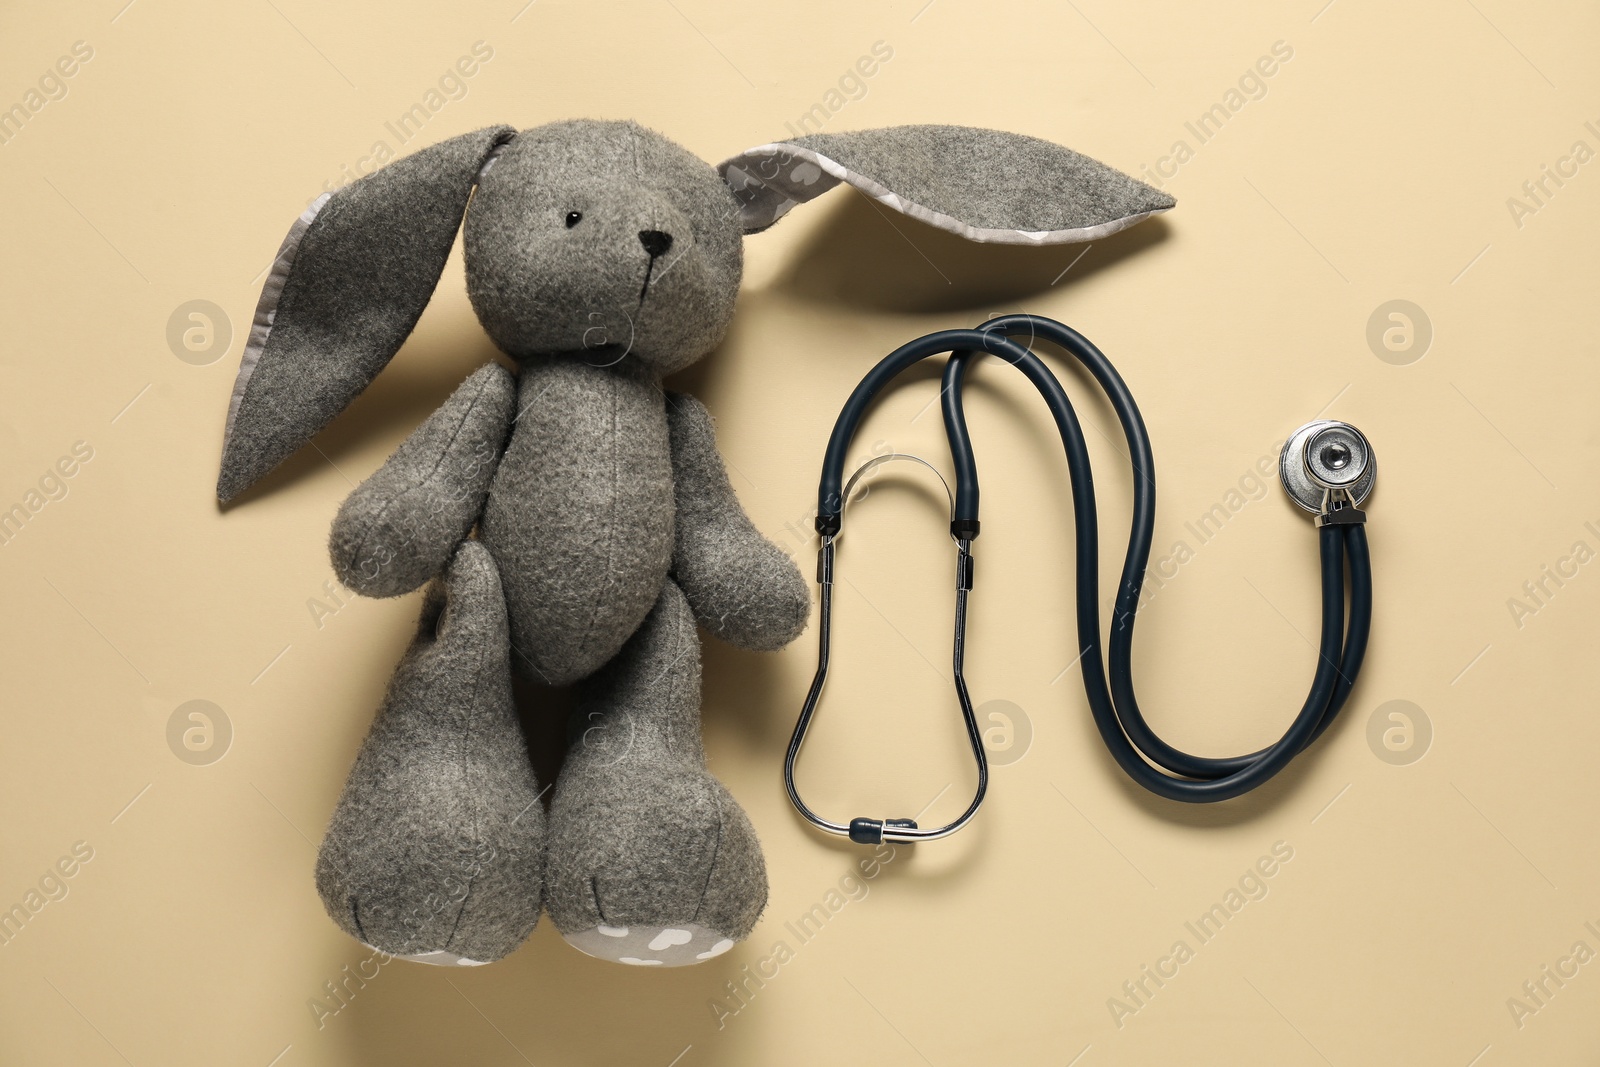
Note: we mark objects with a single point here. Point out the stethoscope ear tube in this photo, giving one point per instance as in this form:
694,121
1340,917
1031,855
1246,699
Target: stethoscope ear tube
830,492
1327,467
865,830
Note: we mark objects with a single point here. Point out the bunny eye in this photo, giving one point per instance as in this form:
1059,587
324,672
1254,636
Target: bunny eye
573,218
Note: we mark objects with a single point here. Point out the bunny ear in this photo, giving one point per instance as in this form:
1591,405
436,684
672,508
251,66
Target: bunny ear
349,283
985,185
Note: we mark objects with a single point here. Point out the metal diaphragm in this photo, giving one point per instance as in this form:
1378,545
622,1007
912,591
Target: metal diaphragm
1327,455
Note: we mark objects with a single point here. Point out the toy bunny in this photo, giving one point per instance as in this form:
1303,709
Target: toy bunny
600,257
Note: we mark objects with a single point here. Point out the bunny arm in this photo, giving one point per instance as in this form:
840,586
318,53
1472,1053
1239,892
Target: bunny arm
400,526
740,586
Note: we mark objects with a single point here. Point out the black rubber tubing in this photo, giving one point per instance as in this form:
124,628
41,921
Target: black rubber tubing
1131,741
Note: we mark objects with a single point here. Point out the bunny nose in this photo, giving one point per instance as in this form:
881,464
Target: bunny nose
655,242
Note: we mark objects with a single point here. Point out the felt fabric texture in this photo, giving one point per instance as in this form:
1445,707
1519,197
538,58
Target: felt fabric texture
741,587
541,285
400,526
986,185
436,843
363,271
641,835
580,513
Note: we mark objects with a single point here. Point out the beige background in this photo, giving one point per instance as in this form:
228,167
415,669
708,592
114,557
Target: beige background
1420,896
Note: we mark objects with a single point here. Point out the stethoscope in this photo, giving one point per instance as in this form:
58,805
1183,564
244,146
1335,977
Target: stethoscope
1327,468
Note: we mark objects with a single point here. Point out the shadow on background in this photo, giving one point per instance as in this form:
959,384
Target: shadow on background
867,257
1264,801
421,377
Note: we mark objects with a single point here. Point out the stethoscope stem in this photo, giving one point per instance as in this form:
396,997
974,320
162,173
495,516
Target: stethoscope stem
1326,467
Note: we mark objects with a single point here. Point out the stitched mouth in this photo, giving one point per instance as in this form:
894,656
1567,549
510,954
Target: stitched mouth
645,288
678,251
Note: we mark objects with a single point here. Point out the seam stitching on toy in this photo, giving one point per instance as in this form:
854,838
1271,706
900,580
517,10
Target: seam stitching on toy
477,685
716,853
609,537
444,455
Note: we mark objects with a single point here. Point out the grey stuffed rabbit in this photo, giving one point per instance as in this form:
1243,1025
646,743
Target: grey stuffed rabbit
600,257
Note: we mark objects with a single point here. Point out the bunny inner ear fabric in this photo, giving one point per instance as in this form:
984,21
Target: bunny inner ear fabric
985,185
347,287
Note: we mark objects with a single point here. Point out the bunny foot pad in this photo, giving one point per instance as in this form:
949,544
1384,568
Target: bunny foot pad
651,946
438,957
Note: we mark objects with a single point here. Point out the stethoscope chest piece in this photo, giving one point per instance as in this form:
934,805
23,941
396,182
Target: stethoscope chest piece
1327,467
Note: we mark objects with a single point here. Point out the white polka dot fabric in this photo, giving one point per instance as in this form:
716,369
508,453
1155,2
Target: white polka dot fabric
652,946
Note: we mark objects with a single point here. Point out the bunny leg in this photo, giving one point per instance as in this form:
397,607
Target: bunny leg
434,852
651,861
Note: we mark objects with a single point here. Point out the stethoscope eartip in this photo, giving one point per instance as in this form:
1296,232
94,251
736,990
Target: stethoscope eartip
877,831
